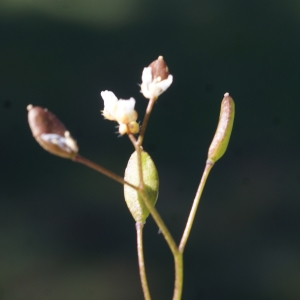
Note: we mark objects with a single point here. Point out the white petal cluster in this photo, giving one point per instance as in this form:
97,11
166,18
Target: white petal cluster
151,88
125,112
121,111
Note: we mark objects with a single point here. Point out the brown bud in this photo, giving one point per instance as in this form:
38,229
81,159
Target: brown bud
155,79
50,133
159,69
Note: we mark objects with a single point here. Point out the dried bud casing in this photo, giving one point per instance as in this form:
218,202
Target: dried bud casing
224,129
159,69
50,133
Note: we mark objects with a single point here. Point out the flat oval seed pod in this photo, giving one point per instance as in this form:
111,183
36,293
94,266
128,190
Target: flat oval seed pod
134,202
51,133
224,129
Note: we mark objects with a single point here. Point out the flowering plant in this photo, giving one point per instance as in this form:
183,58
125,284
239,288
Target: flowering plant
141,180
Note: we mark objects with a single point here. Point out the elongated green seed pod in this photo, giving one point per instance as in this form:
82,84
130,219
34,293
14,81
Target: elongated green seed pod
222,136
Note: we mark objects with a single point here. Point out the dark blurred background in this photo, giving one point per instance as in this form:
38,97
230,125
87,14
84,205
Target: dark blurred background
65,231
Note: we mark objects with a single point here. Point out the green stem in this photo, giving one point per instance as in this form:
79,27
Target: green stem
164,230
88,163
139,234
145,121
196,202
157,218
178,261
138,150
177,255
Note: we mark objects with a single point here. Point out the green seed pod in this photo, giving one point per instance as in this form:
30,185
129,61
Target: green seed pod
133,200
223,132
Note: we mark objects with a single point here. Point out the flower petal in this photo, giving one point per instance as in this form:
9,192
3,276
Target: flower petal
110,105
125,112
164,84
147,76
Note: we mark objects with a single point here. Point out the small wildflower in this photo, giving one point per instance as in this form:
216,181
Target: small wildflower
50,133
155,79
121,111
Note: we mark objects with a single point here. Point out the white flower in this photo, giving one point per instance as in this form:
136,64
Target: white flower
121,111
110,105
125,112
155,79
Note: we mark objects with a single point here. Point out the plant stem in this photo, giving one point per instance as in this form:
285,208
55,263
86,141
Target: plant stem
178,261
138,149
193,211
157,218
80,159
177,255
139,234
145,121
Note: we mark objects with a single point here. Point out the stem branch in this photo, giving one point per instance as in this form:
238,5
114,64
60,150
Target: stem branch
145,121
193,211
80,159
177,255
163,228
178,261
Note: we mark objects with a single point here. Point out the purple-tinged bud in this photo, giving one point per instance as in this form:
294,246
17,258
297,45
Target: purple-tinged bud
155,79
159,69
51,133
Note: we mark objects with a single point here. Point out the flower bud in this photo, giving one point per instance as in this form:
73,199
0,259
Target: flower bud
132,127
50,133
155,79
159,69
